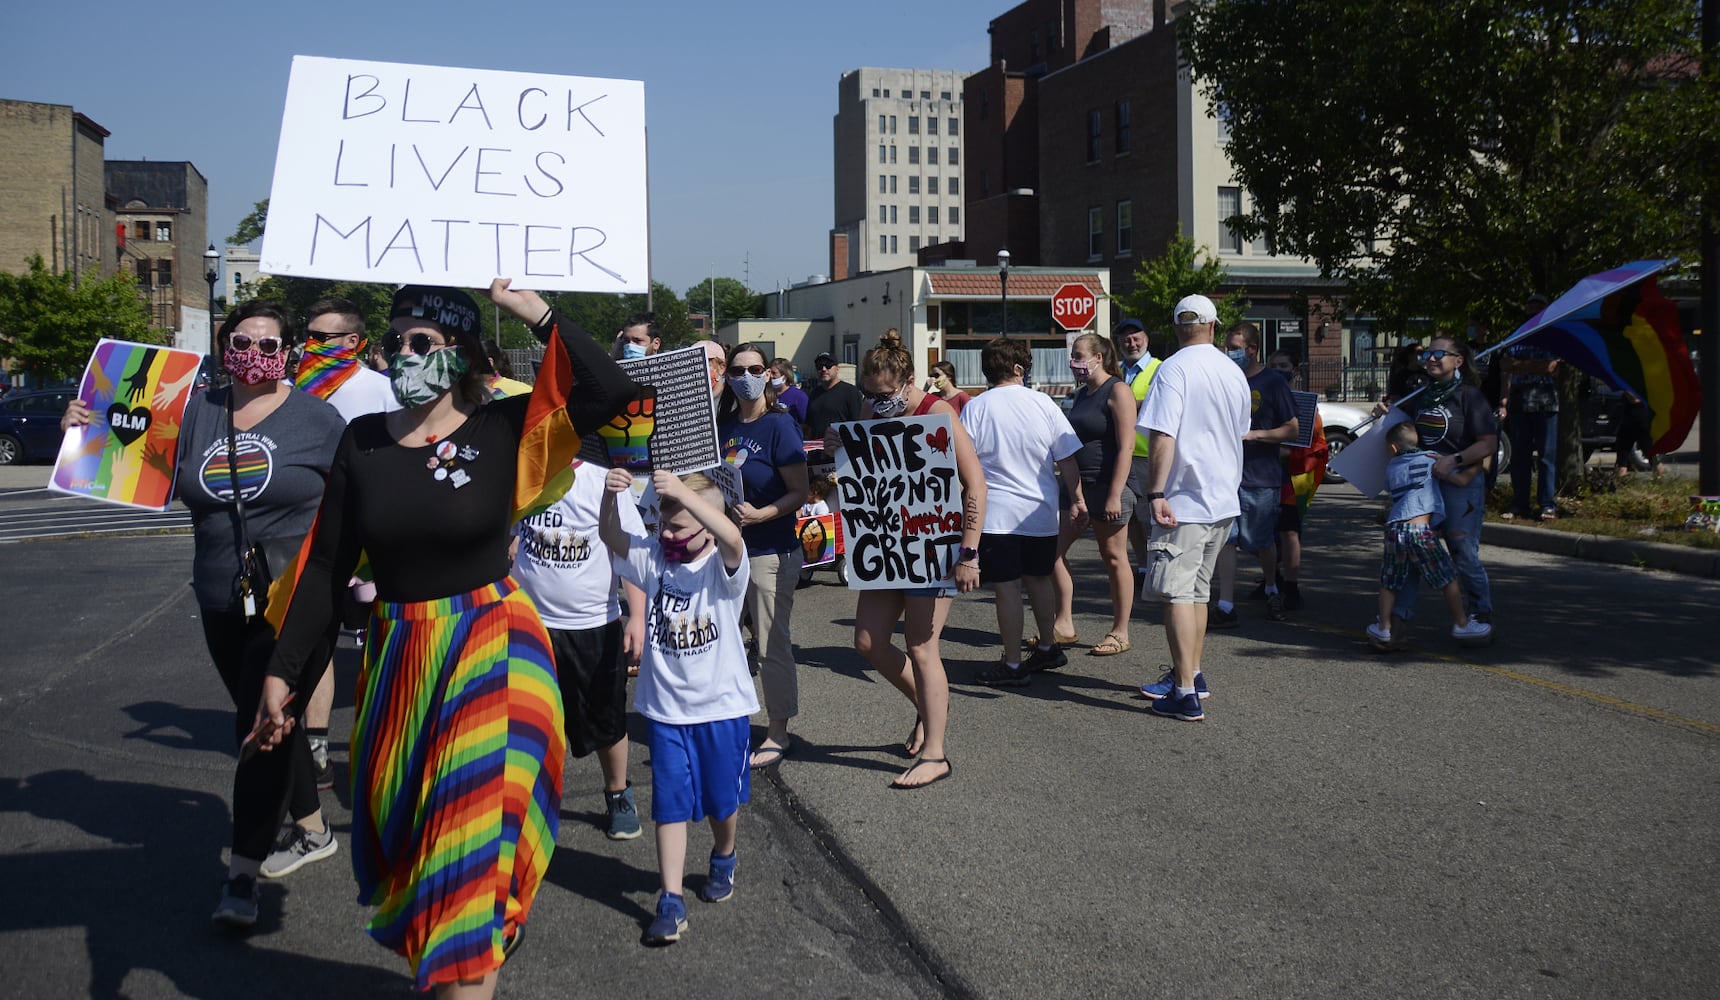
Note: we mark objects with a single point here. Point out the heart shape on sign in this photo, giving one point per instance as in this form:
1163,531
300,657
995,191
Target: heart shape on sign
940,441
128,425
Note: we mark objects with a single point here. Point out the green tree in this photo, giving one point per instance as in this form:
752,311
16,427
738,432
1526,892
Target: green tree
49,323
734,300
299,294
1185,268
251,226
1446,159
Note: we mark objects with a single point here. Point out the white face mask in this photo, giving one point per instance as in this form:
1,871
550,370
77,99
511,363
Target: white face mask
778,382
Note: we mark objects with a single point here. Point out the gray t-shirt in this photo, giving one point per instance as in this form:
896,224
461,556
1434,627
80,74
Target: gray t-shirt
282,464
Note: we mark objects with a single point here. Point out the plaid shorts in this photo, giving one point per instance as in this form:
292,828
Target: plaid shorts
1417,548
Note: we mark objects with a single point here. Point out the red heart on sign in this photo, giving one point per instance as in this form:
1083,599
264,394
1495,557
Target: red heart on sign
940,441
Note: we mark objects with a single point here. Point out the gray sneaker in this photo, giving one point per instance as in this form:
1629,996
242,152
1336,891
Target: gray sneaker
296,848
238,906
1275,606
623,814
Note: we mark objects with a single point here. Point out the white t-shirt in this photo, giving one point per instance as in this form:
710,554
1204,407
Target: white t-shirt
1019,434
563,564
1200,398
367,391
694,668
814,508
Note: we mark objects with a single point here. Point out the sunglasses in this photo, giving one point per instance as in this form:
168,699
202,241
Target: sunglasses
826,365
419,343
882,397
736,371
327,334
1437,355
266,346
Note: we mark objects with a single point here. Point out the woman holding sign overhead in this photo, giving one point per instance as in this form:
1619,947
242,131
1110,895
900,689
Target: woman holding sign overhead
887,381
764,444
457,740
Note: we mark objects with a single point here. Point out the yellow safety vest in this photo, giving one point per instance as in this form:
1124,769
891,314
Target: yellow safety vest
1142,383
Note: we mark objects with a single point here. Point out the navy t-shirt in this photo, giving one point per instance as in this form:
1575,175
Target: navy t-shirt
760,450
1453,425
1270,407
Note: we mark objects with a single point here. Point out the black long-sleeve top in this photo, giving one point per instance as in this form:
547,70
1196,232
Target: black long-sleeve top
435,520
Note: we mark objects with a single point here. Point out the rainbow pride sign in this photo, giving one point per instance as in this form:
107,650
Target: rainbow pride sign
128,453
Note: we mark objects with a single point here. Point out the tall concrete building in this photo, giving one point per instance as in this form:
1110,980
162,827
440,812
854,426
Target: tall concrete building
898,167
53,200
163,208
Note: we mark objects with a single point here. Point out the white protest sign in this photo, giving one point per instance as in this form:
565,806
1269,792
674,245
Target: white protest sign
1363,462
434,175
901,502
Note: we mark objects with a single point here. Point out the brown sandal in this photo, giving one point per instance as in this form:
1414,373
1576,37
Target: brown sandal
1111,645
1062,640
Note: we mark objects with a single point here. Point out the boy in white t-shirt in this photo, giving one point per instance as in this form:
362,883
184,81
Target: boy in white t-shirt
562,563
694,687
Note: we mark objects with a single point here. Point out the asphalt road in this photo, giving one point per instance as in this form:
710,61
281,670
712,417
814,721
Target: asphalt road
1534,819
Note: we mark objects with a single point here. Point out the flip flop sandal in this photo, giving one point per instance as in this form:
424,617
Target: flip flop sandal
772,754
949,771
1111,645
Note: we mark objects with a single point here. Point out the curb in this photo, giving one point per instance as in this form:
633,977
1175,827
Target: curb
1602,548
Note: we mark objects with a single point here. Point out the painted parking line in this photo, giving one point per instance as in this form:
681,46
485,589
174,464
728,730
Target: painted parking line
1558,687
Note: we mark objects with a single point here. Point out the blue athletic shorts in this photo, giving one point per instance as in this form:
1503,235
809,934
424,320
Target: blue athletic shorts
1258,525
699,770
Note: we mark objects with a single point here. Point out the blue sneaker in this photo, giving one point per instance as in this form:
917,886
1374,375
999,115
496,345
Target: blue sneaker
670,921
1166,686
623,814
1186,708
721,884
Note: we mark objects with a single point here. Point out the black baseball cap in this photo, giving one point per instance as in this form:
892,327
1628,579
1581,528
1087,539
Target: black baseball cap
824,360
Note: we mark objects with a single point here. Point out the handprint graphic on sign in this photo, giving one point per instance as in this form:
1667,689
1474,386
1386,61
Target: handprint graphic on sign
627,438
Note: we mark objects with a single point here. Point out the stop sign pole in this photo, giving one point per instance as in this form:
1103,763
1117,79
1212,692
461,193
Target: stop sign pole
1074,306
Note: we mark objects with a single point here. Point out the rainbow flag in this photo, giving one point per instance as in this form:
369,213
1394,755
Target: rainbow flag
1618,327
128,454
548,441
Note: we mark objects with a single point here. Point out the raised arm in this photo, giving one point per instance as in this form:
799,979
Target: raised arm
609,529
714,519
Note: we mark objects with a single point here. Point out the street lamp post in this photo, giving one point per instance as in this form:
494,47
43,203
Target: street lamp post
1003,282
211,274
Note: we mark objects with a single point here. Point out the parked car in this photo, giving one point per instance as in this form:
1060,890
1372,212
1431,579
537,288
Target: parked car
30,425
1340,420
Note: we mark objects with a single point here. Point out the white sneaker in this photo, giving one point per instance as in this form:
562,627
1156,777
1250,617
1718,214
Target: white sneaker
1473,633
1380,638
296,848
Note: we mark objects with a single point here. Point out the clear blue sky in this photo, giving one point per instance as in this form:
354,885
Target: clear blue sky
739,96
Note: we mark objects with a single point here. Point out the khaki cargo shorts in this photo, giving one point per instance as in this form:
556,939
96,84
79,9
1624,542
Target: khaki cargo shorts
1180,560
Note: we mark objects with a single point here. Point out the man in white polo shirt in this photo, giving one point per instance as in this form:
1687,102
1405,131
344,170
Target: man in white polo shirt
1196,415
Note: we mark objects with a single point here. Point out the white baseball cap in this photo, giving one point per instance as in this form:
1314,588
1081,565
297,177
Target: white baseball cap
1202,307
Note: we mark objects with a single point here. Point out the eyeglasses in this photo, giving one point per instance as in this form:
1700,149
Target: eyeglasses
266,346
418,343
736,371
1437,355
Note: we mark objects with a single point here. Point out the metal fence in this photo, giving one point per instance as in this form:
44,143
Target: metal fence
1341,381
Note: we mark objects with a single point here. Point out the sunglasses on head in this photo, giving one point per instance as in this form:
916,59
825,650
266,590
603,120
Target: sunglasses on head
1437,354
267,346
736,371
419,343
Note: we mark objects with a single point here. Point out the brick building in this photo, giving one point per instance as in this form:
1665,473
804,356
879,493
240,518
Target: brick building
898,161
1088,144
53,199
162,208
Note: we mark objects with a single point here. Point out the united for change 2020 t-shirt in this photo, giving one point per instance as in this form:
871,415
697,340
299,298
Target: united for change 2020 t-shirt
694,667
562,563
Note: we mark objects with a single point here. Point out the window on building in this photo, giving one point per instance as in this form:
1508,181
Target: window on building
1125,227
1123,126
955,182
955,126
933,240
913,244
913,154
164,272
881,154
931,125
1221,111
955,157
955,216
883,214
886,93
164,232
925,95
140,231
1095,132
145,272
892,119
931,215
1229,206
892,154
931,185
883,184
1095,233
914,184
892,215
944,95
913,215
932,155
883,124
913,124
892,183
874,91
883,244
893,244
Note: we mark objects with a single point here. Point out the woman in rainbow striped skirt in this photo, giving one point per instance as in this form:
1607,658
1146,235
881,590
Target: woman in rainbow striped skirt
457,743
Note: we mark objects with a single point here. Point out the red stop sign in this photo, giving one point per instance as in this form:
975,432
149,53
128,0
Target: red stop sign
1073,307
